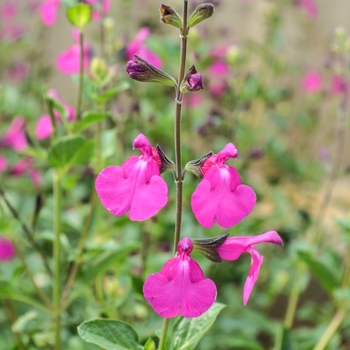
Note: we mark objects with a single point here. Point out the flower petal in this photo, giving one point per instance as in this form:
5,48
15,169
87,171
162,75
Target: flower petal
220,196
43,127
253,274
180,289
135,186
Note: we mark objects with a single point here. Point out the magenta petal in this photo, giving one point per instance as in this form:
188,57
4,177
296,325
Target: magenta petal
180,289
136,186
43,127
7,250
253,274
49,11
222,198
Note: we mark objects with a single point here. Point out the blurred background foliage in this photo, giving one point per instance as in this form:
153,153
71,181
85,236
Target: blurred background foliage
281,96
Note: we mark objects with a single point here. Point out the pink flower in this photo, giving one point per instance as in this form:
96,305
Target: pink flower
234,247
101,7
136,186
220,196
18,71
8,11
43,127
68,61
3,164
192,100
310,7
15,136
219,68
25,165
48,11
180,288
312,82
137,46
7,250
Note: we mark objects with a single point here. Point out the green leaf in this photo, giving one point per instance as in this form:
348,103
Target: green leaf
323,274
7,291
68,151
187,332
79,15
107,258
105,96
91,117
109,334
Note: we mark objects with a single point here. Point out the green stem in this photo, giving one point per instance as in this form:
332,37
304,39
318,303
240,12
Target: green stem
81,75
56,296
177,125
164,333
28,232
331,329
177,140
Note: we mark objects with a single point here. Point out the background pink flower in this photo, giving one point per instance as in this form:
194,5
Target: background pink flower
138,47
15,136
311,82
48,11
7,250
310,7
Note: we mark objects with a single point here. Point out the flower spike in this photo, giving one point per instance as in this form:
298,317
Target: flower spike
180,288
136,186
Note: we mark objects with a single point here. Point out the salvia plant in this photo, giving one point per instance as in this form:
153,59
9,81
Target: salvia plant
120,214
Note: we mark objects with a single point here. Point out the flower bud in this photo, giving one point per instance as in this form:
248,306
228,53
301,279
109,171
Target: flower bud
141,70
99,69
207,247
192,81
195,166
201,13
169,16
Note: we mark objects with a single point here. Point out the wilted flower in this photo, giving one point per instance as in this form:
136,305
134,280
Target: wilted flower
169,16
136,186
221,196
180,288
201,13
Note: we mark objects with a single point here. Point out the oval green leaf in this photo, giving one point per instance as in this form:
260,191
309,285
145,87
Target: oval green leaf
187,332
68,151
109,334
79,15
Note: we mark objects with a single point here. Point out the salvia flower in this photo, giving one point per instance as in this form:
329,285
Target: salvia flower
15,136
136,186
221,196
192,81
141,70
7,250
234,247
180,288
